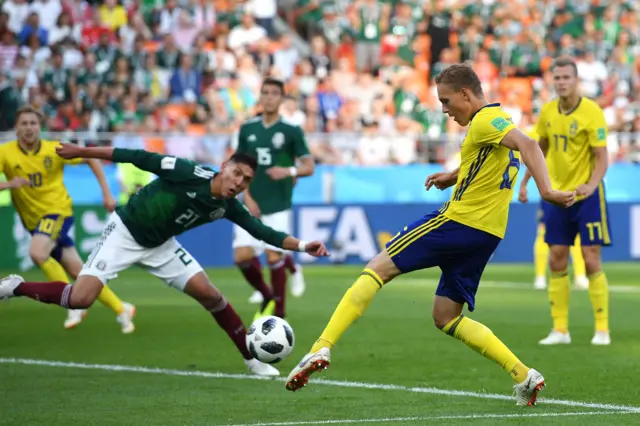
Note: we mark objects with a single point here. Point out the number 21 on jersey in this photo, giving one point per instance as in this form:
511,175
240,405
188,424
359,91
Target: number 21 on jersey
187,218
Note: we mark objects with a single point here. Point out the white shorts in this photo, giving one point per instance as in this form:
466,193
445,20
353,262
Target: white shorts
280,221
117,251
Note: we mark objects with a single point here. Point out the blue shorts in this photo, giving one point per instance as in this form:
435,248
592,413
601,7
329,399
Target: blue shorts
588,217
58,228
460,251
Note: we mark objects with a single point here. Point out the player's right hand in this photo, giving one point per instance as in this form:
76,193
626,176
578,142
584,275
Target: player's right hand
560,198
441,180
316,249
18,182
523,194
69,151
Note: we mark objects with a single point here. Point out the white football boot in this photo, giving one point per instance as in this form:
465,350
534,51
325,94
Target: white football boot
256,298
260,368
126,318
526,392
74,317
556,338
8,285
311,363
540,283
581,282
298,286
601,338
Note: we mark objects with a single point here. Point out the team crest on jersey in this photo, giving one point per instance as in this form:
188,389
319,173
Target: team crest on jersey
278,140
573,129
216,214
252,138
48,162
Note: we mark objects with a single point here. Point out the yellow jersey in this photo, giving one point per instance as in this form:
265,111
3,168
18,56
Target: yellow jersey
487,174
571,138
43,168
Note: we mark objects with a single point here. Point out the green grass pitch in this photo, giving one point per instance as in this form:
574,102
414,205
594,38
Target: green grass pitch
391,367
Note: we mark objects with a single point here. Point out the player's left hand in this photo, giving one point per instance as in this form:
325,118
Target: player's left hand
278,173
109,203
585,190
316,249
69,151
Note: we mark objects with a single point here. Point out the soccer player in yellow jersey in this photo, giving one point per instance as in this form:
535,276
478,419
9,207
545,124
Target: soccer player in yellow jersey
541,248
573,136
35,177
459,238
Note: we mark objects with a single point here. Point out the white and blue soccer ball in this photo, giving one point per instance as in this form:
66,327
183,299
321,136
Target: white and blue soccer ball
270,339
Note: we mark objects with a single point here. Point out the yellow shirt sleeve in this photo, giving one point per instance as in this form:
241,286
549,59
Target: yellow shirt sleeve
490,128
597,130
541,128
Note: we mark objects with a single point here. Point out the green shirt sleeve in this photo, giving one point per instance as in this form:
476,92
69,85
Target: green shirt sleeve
300,147
164,166
242,141
238,214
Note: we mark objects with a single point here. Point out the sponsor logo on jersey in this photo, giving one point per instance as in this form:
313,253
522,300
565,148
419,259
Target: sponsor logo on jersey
278,140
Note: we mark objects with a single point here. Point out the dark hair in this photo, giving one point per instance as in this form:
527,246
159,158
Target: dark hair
241,158
565,61
460,76
270,81
28,109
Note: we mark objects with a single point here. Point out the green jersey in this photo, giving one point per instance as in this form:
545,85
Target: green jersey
278,144
179,200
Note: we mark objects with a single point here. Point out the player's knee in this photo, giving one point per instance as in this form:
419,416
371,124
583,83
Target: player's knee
559,258
81,299
383,266
592,260
38,255
242,255
274,258
440,321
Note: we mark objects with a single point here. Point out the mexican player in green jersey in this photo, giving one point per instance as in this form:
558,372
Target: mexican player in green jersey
278,146
142,232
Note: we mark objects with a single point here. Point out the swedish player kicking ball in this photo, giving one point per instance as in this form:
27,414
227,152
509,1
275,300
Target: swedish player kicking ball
573,136
35,175
276,145
142,232
459,238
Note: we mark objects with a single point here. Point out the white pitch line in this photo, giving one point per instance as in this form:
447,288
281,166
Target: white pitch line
415,419
336,383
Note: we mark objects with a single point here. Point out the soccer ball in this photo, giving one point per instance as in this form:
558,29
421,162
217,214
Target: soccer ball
270,339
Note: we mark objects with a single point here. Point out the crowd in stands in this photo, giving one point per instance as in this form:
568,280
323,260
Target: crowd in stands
179,76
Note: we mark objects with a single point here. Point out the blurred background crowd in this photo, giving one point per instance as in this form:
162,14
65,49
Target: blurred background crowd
179,76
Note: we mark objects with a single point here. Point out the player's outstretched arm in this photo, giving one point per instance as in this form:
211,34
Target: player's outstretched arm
161,165
238,214
533,158
107,198
523,195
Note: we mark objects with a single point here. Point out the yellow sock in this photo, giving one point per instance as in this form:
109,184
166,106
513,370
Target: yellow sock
540,254
54,271
109,299
579,270
353,304
599,295
482,340
559,299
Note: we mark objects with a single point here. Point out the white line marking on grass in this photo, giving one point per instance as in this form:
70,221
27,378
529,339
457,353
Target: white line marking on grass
513,285
336,383
415,419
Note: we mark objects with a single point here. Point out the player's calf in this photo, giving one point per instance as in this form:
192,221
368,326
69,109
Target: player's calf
80,296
